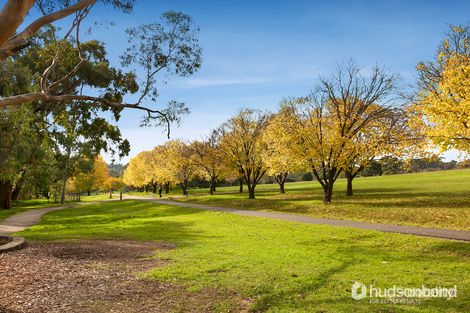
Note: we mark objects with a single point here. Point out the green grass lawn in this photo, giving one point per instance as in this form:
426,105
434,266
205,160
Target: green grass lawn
434,199
273,265
97,197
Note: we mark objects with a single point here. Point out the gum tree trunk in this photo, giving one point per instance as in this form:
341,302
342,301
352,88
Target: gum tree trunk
241,185
18,185
5,194
62,196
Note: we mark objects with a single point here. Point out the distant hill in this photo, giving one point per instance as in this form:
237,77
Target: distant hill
116,170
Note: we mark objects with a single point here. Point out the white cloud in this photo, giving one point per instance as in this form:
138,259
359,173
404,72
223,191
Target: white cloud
213,82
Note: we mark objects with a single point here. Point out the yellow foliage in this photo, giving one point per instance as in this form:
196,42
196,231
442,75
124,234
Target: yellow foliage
113,183
444,111
94,179
278,155
138,171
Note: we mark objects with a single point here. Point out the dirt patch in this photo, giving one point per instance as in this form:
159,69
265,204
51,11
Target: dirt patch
96,276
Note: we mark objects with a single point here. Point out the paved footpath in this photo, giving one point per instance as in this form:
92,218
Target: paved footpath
21,221
25,219
411,230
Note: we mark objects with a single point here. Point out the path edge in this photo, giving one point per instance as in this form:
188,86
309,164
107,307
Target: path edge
16,243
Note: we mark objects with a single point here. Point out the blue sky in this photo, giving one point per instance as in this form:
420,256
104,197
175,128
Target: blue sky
257,52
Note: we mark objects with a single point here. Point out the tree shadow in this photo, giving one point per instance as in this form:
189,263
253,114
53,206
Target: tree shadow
136,220
352,252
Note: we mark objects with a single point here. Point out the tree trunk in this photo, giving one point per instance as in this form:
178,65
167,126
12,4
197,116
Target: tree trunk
64,185
281,187
12,16
5,194
120,195
88,192
110,194
212,187
349,188
328,191
241,185
251,192
167,188
16,193
281,179
154,188
18,185
184,186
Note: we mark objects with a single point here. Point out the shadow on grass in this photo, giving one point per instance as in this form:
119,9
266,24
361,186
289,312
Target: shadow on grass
305,294
366,198
273,299
460,249
130,220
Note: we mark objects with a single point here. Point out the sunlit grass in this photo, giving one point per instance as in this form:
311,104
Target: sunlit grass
274,265
435,199
97,197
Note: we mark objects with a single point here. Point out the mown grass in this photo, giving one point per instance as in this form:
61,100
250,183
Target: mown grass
97,197
434,199
275,266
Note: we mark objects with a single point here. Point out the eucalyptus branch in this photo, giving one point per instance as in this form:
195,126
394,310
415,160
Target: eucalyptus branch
15,15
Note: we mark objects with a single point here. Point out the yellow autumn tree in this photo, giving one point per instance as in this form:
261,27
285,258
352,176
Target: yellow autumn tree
207,157
181,165
382,137
113,184
162,167
137,171
241,145
93,180
443,104
326,123
277,154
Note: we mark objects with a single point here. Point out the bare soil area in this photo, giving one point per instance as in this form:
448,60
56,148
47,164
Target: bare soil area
95,276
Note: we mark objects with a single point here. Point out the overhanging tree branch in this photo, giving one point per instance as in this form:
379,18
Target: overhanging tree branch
12,16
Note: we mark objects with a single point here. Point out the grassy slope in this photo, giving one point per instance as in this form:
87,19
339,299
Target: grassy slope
436,199
278,265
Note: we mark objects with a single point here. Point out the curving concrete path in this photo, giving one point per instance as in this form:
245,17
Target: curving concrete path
411,230
21,221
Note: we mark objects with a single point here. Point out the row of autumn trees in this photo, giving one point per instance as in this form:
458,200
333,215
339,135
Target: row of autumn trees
344,124
350,119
